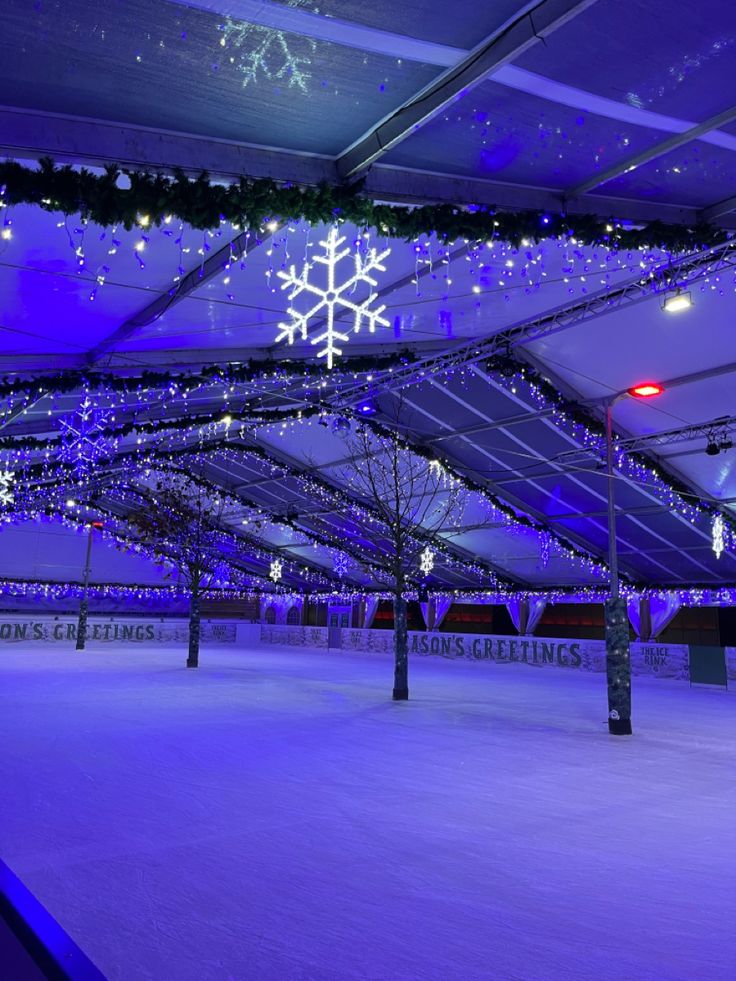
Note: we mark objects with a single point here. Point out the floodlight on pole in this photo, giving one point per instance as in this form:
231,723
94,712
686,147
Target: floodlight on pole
618,662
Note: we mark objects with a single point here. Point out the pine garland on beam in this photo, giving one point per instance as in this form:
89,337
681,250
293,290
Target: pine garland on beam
253,203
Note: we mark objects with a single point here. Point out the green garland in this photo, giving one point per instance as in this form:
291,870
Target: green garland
234,373
30,444
252,203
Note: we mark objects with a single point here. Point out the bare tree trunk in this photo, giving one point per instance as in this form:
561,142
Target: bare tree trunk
193,658
401,649
82,624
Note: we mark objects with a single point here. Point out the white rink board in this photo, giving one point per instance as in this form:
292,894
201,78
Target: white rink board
655,660
23,632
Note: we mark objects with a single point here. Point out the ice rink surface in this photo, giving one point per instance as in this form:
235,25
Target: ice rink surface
273,816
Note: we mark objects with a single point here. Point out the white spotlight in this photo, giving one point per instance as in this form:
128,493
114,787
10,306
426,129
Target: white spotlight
677,301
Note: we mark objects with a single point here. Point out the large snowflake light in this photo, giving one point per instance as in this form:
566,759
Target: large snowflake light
333,297
6,488
276,568
426,561
82,441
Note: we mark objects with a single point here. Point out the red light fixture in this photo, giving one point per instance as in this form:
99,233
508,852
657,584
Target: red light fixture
646,390
97,524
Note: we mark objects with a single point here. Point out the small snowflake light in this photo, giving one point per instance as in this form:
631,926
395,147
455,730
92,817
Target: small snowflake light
6,488
82,441
718,535
426,561
340,564
276,568
333,297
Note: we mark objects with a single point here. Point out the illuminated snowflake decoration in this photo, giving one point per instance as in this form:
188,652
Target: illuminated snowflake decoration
276,568
426,561
340,565
82,441
6,488
333,297
718,535
264,52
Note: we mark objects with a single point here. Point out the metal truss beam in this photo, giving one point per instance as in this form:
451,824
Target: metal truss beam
722,426
498,49
682,272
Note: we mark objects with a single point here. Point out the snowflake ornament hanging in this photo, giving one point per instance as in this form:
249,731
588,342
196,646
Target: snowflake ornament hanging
340,565
276,568
6,488
718,535
334,297
82,441
426,561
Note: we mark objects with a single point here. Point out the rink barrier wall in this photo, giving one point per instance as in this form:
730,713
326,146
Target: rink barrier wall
731,667
32,944
26,632
672,661
652,659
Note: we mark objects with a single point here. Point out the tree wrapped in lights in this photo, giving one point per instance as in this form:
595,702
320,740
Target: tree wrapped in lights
179,523
413,502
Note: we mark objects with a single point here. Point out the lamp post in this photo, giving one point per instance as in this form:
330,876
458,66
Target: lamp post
618,658
84,605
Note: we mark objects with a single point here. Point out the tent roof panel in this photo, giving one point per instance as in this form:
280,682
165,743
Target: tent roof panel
495,132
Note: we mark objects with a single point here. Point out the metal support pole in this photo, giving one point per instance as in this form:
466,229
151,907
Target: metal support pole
618,659
84,605
612,550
